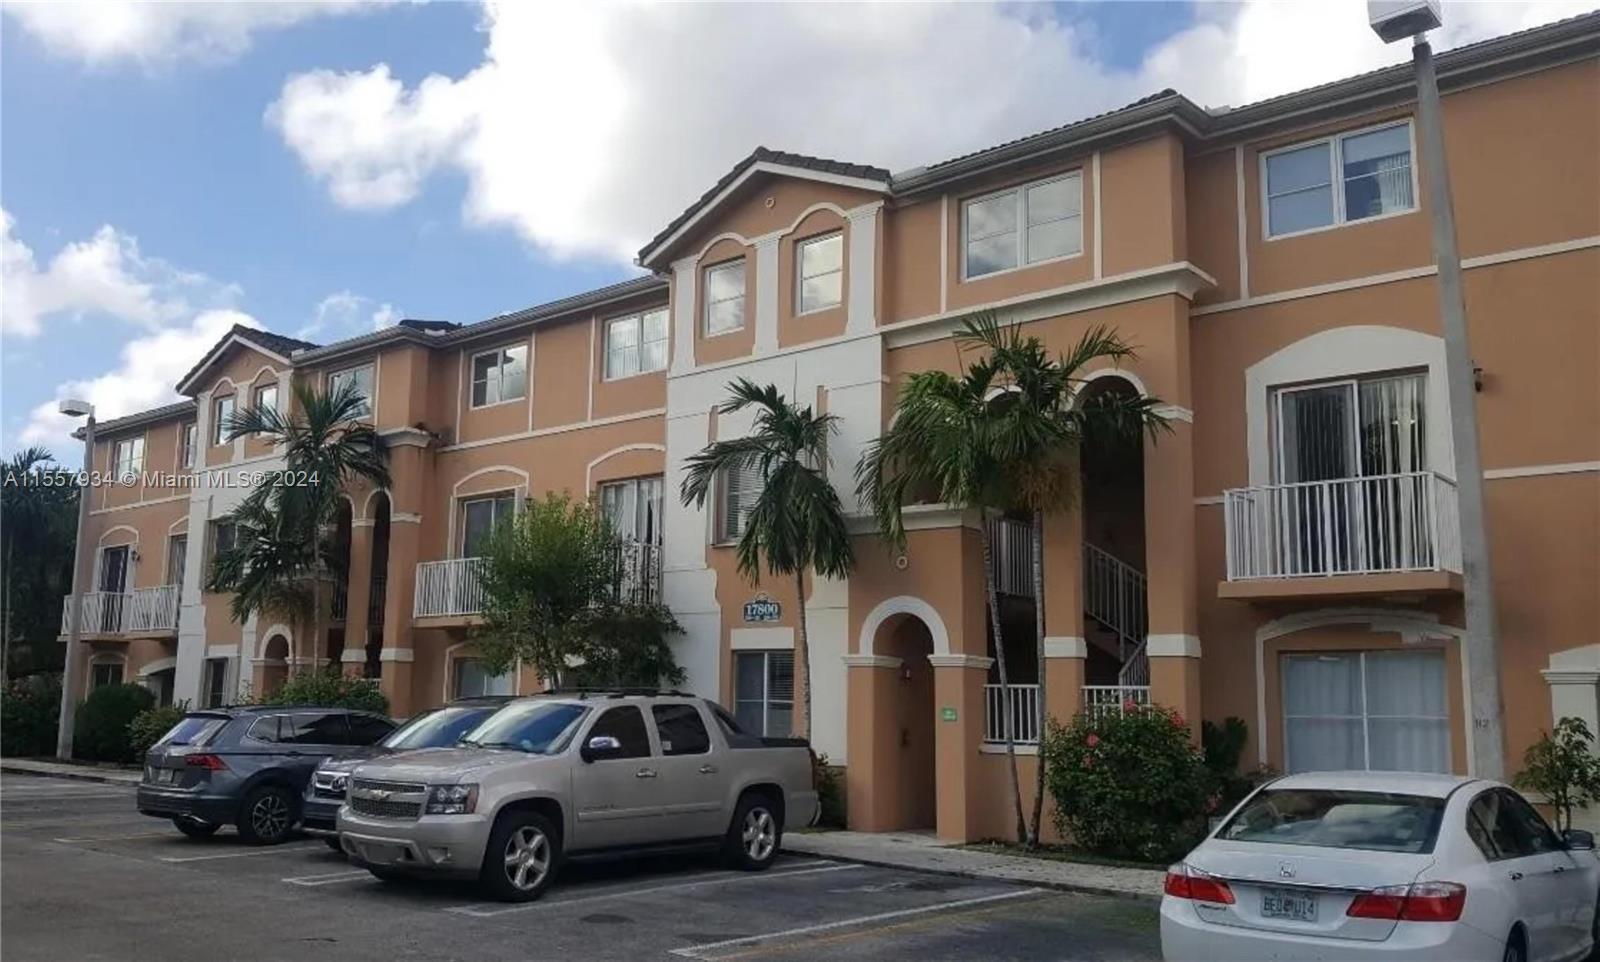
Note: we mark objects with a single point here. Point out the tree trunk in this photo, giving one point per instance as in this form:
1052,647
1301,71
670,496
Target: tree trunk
1005,683
316,616
802,650
1038,622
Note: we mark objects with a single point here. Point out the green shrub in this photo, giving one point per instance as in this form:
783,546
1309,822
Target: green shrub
101,730
1129,785
1563,768
830,791
29,709
331,689
149,725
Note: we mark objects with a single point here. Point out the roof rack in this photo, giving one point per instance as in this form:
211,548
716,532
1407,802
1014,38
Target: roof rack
615,691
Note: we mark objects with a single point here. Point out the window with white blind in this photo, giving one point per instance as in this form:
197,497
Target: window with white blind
1026,225
636,344
186,442
128,457
361,378
763,691
266,397
1338,180
479,519
500,375
819,274
724,297
633,509
222,410
737,500
1365,710
471,680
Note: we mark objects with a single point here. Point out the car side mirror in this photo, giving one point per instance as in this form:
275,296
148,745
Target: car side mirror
600,746
1577,838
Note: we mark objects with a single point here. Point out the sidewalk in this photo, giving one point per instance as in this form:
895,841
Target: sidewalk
85,771
924,853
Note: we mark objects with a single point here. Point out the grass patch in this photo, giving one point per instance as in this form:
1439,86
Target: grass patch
1058,853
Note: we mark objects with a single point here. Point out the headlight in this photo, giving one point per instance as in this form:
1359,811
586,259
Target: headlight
332,782
451,800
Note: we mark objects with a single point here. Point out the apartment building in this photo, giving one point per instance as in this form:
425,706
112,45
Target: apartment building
1288,553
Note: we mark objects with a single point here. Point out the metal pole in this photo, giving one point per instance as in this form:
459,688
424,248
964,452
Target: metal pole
69,670
1482,642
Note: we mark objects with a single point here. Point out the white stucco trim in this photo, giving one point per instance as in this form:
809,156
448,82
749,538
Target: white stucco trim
160,664
262,637
992,748
861,306
1574,680
870,661
761,639
904,605
354,656
961,661
588,471
1065,646
1172,646
766,296
396,654
1343,352
1540,470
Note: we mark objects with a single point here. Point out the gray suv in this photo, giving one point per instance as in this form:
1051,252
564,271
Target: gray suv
247,766
585,773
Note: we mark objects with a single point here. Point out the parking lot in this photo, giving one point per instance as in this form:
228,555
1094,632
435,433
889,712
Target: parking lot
86,877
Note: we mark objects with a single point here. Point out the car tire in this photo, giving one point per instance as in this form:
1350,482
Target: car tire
755,834
266,815
194,828
333,843
387,874
521,859
1516,950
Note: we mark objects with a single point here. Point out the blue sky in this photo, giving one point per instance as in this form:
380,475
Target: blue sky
168,172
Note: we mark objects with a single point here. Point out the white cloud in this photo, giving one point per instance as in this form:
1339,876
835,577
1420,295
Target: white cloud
144,378
345,314
151,32
587,127
105,274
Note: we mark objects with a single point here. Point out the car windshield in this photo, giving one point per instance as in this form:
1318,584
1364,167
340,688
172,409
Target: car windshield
438,729
540,727
1331,818
193,730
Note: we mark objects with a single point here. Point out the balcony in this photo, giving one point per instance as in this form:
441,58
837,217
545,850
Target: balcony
451,592
1011,555
1022,706
1350,537
144,613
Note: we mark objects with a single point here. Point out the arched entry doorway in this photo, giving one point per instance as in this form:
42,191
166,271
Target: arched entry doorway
909,639
1116,614
274,665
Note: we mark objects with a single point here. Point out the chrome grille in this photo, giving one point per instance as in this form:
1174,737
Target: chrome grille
376,799
384,809
397,787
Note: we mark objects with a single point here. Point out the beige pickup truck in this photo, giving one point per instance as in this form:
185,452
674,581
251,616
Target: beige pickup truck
577,774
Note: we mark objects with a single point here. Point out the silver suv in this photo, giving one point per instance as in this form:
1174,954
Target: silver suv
577,774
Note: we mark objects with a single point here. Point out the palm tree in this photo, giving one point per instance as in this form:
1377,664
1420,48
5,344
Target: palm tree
38,518
1043,426
281,547
797,521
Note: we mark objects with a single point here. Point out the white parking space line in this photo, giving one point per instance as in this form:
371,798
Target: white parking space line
330,878
485,910
694,951
56,795
113,838
275,850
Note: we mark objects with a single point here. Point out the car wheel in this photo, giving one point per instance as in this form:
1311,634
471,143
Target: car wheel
521,859
1594,934
195,829
1515,950
266,815
387,874
754,835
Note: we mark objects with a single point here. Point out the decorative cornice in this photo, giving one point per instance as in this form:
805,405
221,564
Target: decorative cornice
870,661
960,661
1065,646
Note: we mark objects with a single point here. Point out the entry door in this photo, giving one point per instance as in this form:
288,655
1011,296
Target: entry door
113,583
618,799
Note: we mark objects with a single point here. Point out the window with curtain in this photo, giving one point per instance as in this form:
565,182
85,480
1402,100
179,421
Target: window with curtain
1339,180
636,344
266,397
763,695
1365,710
740,490
177,555
186,439
725,297
215,691
129,457
103,673
361,378
222,410
480,517
500,375
471,680
633,509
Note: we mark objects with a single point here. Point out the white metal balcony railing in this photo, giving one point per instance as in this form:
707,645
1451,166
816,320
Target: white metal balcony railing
1116,594
638,572
1101,699
454,588
143,611
1348,526
1023,707
1011,554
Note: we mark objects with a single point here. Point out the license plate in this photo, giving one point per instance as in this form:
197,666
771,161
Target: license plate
1296,906
166,776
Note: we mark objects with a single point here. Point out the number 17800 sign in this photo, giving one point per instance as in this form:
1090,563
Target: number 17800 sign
762,609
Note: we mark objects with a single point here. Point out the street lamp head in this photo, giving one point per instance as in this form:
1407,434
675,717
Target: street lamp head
1398,19
75,408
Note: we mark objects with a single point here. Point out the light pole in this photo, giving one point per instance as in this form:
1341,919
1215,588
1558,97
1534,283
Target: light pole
69,670
1394,20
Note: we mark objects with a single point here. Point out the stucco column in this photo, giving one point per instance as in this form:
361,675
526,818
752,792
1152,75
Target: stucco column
958,735
1174,642
1064,647
358,596
409,463
872,789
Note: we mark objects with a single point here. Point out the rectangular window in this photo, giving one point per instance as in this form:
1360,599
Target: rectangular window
223,534
681,730
1026,225
361,380
1365,710
500,375
471,680
763,696
1360,427
636,344
186,440
129,457
725,298
177,554
740,490
1339,180
103,673
266,397
216,683
819,274
480,517
223,410
633,509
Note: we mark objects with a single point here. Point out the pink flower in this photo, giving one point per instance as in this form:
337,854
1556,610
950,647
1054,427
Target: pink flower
1092,740
1177,720
1212,803
1088,761
1128,705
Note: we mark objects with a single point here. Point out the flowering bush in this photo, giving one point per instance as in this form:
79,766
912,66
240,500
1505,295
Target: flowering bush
1129,784
331,689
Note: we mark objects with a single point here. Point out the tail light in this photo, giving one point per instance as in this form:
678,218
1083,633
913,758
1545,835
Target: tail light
1184,881
207,761
1418,902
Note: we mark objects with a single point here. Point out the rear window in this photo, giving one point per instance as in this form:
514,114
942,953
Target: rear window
1327,818
193,730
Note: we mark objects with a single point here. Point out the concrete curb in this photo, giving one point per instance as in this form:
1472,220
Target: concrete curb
70,772
1059,885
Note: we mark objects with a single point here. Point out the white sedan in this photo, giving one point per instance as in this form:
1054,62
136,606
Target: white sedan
1384,865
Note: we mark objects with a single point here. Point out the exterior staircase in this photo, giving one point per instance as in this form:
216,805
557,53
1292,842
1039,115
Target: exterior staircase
1115,601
